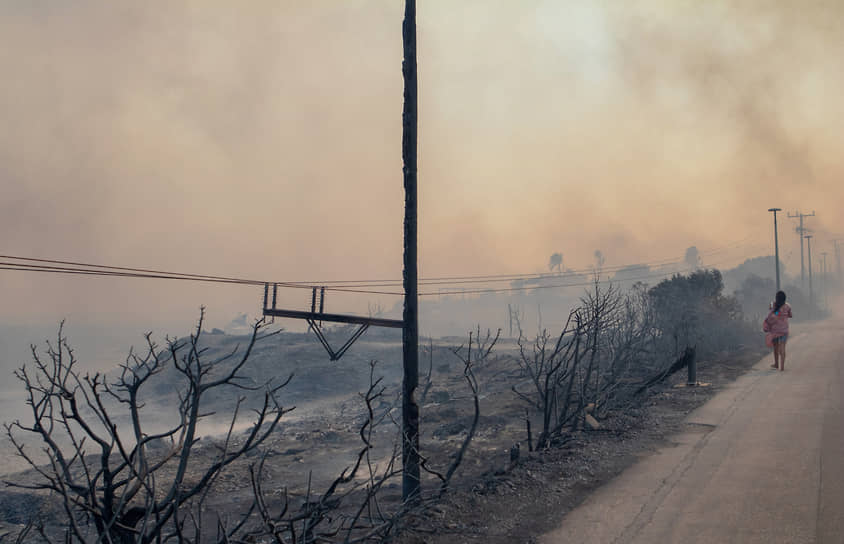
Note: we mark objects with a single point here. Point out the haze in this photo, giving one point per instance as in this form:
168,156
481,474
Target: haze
262,140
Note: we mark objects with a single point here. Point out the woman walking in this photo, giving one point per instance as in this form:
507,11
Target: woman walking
776,327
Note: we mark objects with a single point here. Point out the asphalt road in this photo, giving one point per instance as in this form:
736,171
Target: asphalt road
763,461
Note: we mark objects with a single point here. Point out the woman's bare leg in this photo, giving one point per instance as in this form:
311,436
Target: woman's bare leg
782,355
776,355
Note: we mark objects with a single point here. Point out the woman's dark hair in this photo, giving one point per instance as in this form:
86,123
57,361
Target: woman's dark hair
779,300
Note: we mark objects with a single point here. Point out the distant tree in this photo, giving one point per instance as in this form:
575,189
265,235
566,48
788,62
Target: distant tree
755,295
692,258
556,261
692,311
599,259
762,267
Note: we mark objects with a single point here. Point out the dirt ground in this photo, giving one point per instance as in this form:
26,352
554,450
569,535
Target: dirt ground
519,504
491,500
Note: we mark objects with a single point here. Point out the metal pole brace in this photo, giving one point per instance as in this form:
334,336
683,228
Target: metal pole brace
315,318
335,355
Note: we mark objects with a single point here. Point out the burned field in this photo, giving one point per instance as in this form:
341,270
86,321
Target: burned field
333,459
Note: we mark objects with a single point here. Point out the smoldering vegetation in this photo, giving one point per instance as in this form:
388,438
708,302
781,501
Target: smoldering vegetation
219,438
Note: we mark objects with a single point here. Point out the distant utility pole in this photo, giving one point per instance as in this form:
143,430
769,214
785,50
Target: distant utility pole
808,238
837,260
777,245
411,488
515,317
823,278
801,231
510,315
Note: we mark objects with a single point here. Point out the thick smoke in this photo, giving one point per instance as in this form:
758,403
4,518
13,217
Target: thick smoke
262,139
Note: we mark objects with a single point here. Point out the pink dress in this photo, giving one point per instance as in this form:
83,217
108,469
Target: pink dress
776,324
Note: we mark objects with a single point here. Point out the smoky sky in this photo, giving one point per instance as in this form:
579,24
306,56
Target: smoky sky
263,140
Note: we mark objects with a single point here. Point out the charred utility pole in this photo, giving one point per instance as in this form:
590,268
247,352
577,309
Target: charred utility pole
801,232
776,245
411,488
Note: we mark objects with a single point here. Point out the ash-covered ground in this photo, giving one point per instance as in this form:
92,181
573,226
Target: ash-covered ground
492,498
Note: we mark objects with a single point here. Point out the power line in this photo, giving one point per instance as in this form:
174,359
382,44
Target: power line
126,269
553,286
87,269
95,272
61,270
575,284
494,278
348,286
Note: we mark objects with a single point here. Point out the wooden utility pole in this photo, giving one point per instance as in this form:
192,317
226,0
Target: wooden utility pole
823,280
776,246
801,231
410,333
808,238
